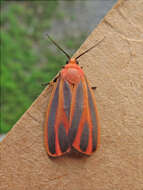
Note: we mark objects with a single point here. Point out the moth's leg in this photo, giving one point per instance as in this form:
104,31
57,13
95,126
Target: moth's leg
53,81
93,87
45,84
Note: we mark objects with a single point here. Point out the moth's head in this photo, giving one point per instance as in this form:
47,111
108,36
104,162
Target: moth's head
72,61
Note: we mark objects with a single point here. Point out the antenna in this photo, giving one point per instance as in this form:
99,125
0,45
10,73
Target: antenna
68,56
89,49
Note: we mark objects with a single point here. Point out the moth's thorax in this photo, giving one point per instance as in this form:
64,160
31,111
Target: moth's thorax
72,72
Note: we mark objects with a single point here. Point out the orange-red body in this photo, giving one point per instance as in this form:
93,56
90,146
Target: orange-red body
72,72
71,118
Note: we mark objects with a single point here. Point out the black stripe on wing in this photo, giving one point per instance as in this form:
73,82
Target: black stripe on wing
67,98
78,109
84,137
51,120
93,119
63,138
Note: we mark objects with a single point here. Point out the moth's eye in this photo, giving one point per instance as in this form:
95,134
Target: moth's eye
77,62
67,62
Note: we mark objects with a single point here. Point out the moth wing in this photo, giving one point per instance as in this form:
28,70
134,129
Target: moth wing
57,120
84,123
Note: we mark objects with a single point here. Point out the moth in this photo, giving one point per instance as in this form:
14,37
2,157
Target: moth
72,119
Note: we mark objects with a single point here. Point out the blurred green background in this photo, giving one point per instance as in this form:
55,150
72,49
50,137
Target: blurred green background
27,57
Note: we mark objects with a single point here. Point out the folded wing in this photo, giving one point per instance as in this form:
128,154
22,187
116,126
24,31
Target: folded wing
84,122
57,120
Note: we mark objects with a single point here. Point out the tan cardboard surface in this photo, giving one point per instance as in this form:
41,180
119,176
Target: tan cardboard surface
116,67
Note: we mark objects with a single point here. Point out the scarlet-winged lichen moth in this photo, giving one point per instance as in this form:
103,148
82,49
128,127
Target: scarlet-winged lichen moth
71,118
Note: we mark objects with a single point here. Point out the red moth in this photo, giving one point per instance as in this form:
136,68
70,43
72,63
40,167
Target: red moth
71,118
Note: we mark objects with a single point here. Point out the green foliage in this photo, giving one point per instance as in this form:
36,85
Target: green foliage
21,72
26,59
72,42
